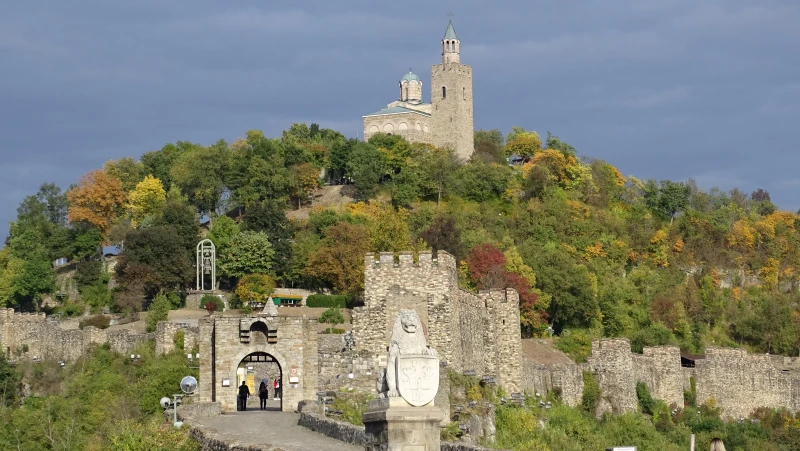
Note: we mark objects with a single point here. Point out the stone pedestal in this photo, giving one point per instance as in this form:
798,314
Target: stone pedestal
392,424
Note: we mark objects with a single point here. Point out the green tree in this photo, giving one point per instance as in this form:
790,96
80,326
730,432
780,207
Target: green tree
367,166
249,253
221,233
199,174
157,312
438,169
160,162
157,258
127,170
489,147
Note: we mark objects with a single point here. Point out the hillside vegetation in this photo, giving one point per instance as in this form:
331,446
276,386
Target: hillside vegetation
592,252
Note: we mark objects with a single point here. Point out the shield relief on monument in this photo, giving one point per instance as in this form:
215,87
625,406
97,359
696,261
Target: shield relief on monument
418,378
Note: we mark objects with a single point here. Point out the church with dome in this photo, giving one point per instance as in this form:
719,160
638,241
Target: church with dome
446,121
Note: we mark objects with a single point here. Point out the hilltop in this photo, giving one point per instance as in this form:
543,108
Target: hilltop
592,252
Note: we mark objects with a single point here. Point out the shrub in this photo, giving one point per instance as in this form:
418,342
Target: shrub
591,392
179,339
72,309
88,272
576,343
97,296
646,402
352,406
690,396
98,321
329,301
332,317
210,298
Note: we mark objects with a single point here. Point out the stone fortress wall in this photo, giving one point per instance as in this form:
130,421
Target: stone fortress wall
470,331
44,339
736,381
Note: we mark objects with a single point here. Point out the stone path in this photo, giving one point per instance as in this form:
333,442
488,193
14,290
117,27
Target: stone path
267,428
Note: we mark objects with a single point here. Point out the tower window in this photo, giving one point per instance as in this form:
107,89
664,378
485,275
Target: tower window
464,91
444,92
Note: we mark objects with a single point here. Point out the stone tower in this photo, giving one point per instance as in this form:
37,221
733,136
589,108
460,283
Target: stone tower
451,99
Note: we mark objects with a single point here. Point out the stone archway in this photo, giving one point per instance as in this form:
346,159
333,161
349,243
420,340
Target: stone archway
253,369
228,399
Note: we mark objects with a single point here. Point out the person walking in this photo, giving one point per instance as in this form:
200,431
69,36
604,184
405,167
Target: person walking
263,395
244,393
277,388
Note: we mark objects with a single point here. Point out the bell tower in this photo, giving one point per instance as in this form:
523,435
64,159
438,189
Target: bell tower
451,99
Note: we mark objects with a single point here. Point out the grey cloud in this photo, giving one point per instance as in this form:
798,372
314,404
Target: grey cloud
668,90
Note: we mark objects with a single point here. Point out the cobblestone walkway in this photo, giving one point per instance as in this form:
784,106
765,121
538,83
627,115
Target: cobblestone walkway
267,430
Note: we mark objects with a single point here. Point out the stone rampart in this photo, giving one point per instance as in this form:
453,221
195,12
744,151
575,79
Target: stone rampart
739,382
734,380
165,336
660,368
46,340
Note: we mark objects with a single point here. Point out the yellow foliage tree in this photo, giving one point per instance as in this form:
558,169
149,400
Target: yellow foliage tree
769,273
565,170
514,262
388,229
524,144
147,199
255,287
97,199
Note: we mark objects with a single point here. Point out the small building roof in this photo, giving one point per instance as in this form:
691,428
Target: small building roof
397,110
450,33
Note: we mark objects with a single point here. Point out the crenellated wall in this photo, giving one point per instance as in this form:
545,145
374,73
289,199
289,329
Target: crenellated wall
470,331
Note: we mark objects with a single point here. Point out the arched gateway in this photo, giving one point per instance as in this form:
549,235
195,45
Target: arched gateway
227,341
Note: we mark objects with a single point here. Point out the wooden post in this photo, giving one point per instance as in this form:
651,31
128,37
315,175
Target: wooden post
691,443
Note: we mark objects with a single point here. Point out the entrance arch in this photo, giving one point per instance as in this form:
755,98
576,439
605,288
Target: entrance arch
254,368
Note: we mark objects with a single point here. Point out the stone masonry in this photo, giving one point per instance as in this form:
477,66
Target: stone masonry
734,380
223,348
470,331
46,340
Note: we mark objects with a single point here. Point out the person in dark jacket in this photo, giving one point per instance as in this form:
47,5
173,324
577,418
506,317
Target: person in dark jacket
244,393
263,395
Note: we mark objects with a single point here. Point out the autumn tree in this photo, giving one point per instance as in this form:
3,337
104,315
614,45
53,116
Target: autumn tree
97,199
305,178
147,199
255,287
340,259
523,143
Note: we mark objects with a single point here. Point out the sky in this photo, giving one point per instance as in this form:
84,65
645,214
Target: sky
702,89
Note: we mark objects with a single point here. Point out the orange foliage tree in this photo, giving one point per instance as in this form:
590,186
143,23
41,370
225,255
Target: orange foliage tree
97,199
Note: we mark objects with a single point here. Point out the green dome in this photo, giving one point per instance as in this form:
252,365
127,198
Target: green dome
410,76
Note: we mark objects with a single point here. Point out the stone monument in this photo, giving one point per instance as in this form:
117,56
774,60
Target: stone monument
404,417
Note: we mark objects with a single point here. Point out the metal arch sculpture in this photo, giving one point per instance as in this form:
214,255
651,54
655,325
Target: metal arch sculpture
206,263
